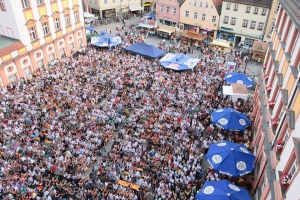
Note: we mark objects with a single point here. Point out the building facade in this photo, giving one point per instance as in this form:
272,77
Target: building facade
113,8
271,20
37,32
276,139
168,12
200,15
242,22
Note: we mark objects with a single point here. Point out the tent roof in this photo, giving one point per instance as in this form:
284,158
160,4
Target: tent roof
145,50
92,35
239,88
221,43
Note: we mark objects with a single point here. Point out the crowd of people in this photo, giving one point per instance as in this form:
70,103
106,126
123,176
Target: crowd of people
112,125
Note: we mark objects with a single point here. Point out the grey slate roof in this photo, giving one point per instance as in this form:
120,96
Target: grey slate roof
292,7
260,3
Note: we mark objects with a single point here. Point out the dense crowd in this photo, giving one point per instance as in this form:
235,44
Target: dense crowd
56,127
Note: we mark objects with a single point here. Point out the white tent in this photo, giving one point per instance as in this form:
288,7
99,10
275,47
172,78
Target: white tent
236,91
88,15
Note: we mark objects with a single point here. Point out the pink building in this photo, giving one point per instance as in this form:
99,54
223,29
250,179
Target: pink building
167,12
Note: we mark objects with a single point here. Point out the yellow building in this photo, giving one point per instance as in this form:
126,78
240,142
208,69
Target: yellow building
200,15
271,20
34,33
242,22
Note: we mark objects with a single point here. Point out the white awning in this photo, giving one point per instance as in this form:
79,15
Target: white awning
135,8
88,15
227,90
165,31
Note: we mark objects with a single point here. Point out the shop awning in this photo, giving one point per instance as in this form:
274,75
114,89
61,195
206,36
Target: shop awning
147,4
222,44
165,31
193,35
135,8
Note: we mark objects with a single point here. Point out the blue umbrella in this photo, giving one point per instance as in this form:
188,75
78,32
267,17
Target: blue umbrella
230,158
103,32
90,28
222,190
239,78
230,119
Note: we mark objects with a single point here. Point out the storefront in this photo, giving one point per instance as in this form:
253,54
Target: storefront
246,40
188,27
95,11
109,13
147,7
135,8
167,23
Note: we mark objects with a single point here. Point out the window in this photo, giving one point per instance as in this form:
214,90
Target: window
278,7
293,169
226,18
255,11
260,26
71,46
233,20
253,24
286,136
25,4
161,8
236,6
51,57
248,9
13,78
245,23
40,64
174,11
27,72
195,15
272,28
263,11
96,1
214,19
67,19
76,16
45,28
203,17
32,33
114,1
206,5
168,9
190,3
200,5
2,5
195,3
295,43
62,52
187,13
105,1
56,24
40,2
228,6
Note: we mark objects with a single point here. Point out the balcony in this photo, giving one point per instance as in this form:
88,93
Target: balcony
294,71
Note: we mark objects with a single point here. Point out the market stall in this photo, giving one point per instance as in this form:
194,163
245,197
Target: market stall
165,31
236,91
192,37
259,49
221,45
150,25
